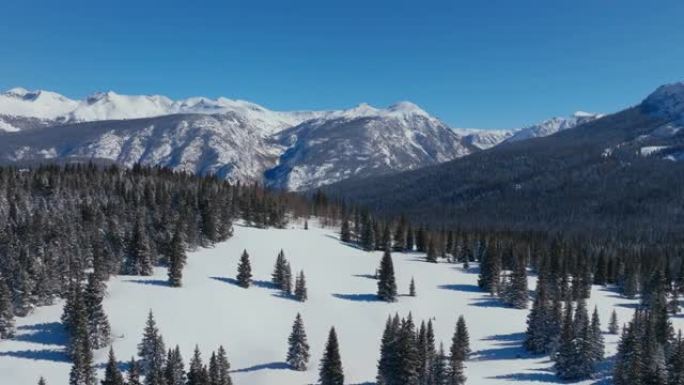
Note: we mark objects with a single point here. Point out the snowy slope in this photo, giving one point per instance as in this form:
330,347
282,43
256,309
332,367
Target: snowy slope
552,126
360,142
55,108
253,324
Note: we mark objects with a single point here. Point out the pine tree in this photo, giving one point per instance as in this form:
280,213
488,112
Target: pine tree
278,275
82,371
152,353
412,288
675,367
6,312
460,342
113,375
613,327
41,381
133,377
139,258
407,356
287,280
516,290
566,357
330,370
367,234
537,336
298,347
174,371
387,286
440,371
345,231
197,373
597,341
176,259
388,352
431,255
490,269
244,276
430,352
213,370
223,367
99,330
300,288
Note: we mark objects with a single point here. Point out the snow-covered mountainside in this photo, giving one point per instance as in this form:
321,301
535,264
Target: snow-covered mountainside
237,140
363,141
19,104
253,324
552,126
484,139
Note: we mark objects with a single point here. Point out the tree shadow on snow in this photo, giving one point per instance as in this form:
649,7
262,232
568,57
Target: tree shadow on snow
50,333
489,302
150,282
368,276
269,366
358,297
462,287
509,346
532,376
38,355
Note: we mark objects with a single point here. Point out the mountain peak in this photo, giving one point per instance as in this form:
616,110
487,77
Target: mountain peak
406,107
667,101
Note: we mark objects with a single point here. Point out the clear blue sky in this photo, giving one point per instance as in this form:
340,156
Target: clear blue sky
479,63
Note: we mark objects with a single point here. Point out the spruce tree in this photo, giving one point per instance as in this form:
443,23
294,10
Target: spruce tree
82,371
223,367
345,231
152,353
197,372
300,292
412,288
133,377
298,347
387,286
597,341
176,259
440,371
516,290
278,275
613,327
244,276
460,342
174,371
287,280
330,370
99,330
431,255
6,312
388,352
490,269
41,381
675,367
566,356
139,258
537,336
407,356
113,375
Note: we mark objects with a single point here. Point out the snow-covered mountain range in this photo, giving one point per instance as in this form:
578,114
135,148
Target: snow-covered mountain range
240,140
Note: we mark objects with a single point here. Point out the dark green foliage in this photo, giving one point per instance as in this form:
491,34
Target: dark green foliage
345,231
330,370
177,258
174,371
6,313
197,373
152,353
460,342
112,375
133,377
298,347
387,286
300,292
244,275
412,288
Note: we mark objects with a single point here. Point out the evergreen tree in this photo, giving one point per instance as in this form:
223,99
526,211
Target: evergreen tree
197,373
387,286
407,356
244,276
152,353
490,269
300,288
330,371
367,234
223,367
113,375
98,325
460,342
675,367
298,347
440,371
287,280
388,352
613,327
174,371
412,288
516,290
597,341
6,312
345,231
278,275
176,259
139,258
537,336
41,381
133,377
431,255
82,371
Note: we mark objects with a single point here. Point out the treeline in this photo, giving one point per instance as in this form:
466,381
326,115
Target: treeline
57,222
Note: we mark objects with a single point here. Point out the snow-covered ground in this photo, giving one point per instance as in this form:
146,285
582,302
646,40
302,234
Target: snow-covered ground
253,324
